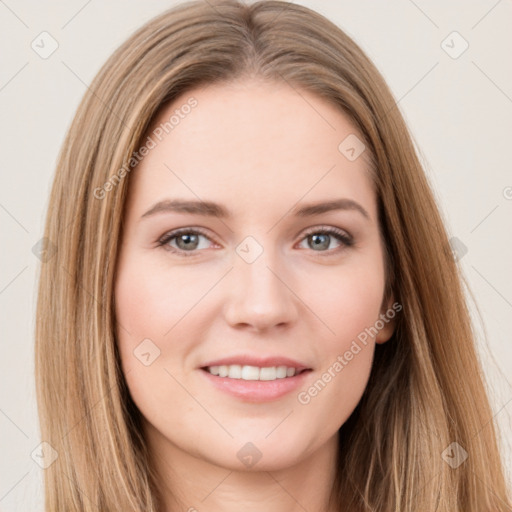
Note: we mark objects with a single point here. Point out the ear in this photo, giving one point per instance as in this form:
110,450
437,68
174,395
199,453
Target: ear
387,320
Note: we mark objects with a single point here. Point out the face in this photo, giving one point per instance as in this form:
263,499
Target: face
225,268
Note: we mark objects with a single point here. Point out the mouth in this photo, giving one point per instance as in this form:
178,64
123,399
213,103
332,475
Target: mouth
253,379
252,373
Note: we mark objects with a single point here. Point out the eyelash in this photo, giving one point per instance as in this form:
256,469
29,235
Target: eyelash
341,236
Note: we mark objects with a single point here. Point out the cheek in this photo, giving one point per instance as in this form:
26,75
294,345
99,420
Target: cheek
351,301
151,300
147,306
349,306
157,310
346,356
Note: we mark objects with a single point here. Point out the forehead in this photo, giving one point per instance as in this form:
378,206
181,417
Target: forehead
251,143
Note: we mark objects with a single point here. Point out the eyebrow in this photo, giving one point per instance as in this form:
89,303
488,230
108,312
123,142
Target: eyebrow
211,209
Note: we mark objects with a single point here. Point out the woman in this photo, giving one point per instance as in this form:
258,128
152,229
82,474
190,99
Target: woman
253,304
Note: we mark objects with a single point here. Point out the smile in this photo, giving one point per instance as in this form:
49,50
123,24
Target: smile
236,371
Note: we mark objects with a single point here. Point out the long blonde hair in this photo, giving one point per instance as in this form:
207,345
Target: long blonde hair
426,389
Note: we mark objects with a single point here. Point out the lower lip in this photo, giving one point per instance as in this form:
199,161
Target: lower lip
257,390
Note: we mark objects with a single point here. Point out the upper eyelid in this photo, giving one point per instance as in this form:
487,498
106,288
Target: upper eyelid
313,229
176,232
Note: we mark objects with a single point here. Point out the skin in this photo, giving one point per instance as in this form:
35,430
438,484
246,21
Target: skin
260,149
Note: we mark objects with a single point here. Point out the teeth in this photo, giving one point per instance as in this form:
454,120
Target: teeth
236,371
268,374
281,372
250,373
214,370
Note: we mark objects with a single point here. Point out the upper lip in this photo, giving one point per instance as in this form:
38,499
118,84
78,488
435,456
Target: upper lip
262,362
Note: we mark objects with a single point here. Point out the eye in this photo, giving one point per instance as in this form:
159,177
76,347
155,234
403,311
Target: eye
186,240
321,238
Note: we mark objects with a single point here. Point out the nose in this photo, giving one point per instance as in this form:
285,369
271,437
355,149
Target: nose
260,296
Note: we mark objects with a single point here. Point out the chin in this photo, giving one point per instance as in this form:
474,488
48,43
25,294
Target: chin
262,454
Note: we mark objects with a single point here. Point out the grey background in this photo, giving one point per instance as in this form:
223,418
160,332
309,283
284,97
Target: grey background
458,110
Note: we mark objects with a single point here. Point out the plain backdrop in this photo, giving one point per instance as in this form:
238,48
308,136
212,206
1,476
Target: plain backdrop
447,66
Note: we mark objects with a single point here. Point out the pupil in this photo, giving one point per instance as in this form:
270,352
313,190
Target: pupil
187,240
317,241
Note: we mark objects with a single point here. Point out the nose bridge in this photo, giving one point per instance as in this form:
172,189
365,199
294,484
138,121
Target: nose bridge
259,295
